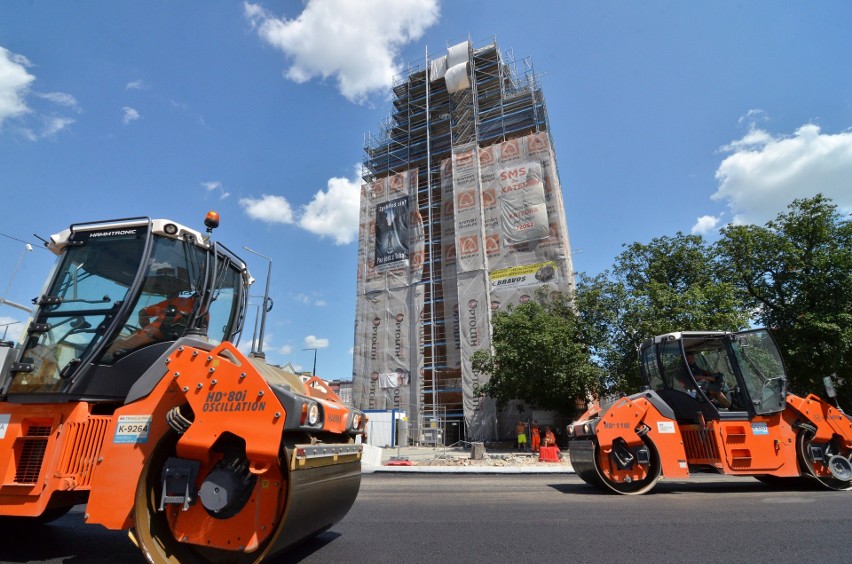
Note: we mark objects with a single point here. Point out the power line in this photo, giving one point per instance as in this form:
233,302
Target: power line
35,245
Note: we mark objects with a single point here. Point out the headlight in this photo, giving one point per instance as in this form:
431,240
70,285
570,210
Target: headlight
356,421
313,414
310,414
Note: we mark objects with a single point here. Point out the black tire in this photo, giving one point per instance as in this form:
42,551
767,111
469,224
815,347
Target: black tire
809,466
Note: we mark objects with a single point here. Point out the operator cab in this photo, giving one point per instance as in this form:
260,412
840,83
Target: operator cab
715,374
120,293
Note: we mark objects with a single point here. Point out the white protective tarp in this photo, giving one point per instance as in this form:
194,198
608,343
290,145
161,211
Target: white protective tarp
388,341
469,237
457,78
437,68
474,321
458,53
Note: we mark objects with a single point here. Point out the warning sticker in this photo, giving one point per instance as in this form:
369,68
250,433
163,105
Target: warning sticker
665,427
4,424
132,429
759,429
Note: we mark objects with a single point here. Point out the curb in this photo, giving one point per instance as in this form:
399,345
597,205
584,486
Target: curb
370,469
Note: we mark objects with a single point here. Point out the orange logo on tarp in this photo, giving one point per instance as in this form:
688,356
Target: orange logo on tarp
463,159
489,198
377,189
417,259
450,253
448,209
465,200
469,245
492,244
509,149
486,157
537,142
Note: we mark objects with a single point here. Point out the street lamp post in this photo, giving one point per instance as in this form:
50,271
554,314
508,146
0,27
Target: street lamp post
6,328
266,305
314,371
3,300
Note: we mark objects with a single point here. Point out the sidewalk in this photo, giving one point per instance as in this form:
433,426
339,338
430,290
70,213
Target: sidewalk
457,460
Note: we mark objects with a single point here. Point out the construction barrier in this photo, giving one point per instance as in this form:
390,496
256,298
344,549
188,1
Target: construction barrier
548,454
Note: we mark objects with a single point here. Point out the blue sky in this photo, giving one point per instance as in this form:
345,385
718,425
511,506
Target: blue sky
667,116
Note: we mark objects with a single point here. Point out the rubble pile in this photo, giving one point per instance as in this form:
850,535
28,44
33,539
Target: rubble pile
497,460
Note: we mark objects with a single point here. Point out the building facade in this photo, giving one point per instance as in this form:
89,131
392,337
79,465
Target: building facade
461,215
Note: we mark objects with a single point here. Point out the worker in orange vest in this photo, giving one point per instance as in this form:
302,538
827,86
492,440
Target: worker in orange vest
536,436
549,437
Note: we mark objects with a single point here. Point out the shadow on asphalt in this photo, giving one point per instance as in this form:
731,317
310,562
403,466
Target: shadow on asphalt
307,548
61,540
722,485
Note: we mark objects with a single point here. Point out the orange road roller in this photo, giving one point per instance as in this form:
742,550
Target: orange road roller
127,393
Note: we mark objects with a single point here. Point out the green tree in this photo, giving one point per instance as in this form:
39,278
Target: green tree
540,355
795,274
669,284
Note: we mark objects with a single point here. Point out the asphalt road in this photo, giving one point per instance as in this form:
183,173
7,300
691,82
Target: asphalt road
529,518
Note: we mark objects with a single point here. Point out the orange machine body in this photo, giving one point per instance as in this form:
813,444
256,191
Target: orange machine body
53,451
675,429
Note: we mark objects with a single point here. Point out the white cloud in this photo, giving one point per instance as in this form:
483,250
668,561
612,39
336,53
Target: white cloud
15,81
330,213
763,173
271,209
312,342
357,43
55,125
705,224
753,116
334,213
268,347
310,300
216,186
136,85
130,115
61,99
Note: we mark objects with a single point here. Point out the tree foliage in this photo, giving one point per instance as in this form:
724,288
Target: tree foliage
540,355
795,275
669,284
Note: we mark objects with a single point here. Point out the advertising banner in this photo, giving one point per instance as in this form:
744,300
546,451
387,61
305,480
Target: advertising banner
523,210
474,323
392,234
527,275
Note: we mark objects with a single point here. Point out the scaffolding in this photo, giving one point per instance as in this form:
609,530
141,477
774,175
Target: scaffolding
431,116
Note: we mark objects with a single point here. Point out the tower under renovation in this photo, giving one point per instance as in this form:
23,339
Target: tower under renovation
461,215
